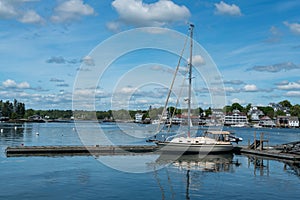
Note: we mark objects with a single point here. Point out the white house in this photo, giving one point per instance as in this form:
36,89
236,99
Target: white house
138,118
293,122
255,114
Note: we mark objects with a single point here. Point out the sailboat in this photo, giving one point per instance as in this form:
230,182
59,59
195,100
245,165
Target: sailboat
209,142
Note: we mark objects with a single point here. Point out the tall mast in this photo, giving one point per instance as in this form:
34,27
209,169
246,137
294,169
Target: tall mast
190,79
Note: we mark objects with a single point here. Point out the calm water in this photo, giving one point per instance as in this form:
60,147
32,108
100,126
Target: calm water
190,177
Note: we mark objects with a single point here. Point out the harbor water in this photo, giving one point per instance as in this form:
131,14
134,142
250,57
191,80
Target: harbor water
147,176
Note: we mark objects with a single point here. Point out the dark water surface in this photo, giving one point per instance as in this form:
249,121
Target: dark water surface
189,177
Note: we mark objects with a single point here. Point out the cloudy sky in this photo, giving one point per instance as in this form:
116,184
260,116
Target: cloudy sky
46,44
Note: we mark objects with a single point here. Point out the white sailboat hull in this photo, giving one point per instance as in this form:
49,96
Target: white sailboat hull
194,148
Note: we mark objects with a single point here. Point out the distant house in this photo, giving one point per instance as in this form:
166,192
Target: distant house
287,121
138,118
183,119
217,116
36,118
266,122
235,118
279,107
293,122
255,114
282,121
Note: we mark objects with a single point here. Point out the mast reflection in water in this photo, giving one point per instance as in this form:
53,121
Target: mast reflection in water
194,164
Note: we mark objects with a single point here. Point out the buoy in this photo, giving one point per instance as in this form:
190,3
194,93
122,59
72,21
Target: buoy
16,127
37,133
1,130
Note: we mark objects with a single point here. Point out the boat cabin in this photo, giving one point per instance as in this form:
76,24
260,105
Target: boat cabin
218,135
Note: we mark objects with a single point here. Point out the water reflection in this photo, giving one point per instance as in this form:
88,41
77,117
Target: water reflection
11,132
198,162
193,167
261,166
293,168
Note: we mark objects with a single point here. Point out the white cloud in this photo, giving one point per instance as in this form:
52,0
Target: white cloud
14,9
276,67
198,60
293,93
7,10
9,83
288,86
23,85
236,100
250,88
160,13
231,90
294,27
233,82
70,10
31,17
142,101
88,60
12,84
113,26
223,8
127,90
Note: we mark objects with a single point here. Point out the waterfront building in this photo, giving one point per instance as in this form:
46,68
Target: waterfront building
235,118
287,121
266,122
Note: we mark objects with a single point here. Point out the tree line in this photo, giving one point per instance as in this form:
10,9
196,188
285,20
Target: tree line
16,110
293,110
12,110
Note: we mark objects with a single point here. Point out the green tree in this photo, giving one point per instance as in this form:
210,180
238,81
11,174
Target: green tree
29,113
208,112
227,109
286,103
237,106
247,108
295,110
280,113
200,110
268,111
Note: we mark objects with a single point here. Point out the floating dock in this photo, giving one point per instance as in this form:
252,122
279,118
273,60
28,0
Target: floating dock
77,150
270,153
17,151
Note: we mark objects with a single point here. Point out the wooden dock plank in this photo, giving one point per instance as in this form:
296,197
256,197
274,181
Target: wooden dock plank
76,150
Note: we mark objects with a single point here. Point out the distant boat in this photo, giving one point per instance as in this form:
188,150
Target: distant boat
157,121
257,126
209,142
238,125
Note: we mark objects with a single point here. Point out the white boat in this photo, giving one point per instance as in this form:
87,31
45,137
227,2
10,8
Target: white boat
210,142
238,125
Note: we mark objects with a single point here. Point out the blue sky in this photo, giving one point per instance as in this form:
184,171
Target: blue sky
46,44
